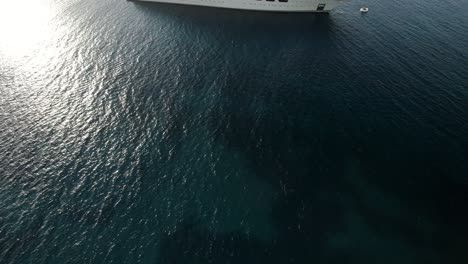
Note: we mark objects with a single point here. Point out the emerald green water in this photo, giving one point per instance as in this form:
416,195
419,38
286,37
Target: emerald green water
147,133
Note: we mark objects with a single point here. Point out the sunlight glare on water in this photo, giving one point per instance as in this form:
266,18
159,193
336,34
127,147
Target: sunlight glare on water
23,26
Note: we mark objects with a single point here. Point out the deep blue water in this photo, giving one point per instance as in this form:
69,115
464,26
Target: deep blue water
149,133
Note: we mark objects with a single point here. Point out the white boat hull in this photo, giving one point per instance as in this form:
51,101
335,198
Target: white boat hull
263,5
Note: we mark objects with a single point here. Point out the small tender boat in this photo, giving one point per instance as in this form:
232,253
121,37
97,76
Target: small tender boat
364,10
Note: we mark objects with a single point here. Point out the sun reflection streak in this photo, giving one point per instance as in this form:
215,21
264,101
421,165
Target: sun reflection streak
24,25
32,56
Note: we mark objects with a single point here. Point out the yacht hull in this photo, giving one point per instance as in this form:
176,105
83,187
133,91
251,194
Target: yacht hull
263,5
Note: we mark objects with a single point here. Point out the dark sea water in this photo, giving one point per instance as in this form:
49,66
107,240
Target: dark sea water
150,133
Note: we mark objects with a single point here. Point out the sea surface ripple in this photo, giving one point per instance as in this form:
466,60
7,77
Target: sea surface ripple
150,133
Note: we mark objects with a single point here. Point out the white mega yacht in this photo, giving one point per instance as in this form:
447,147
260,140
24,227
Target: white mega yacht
263,5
